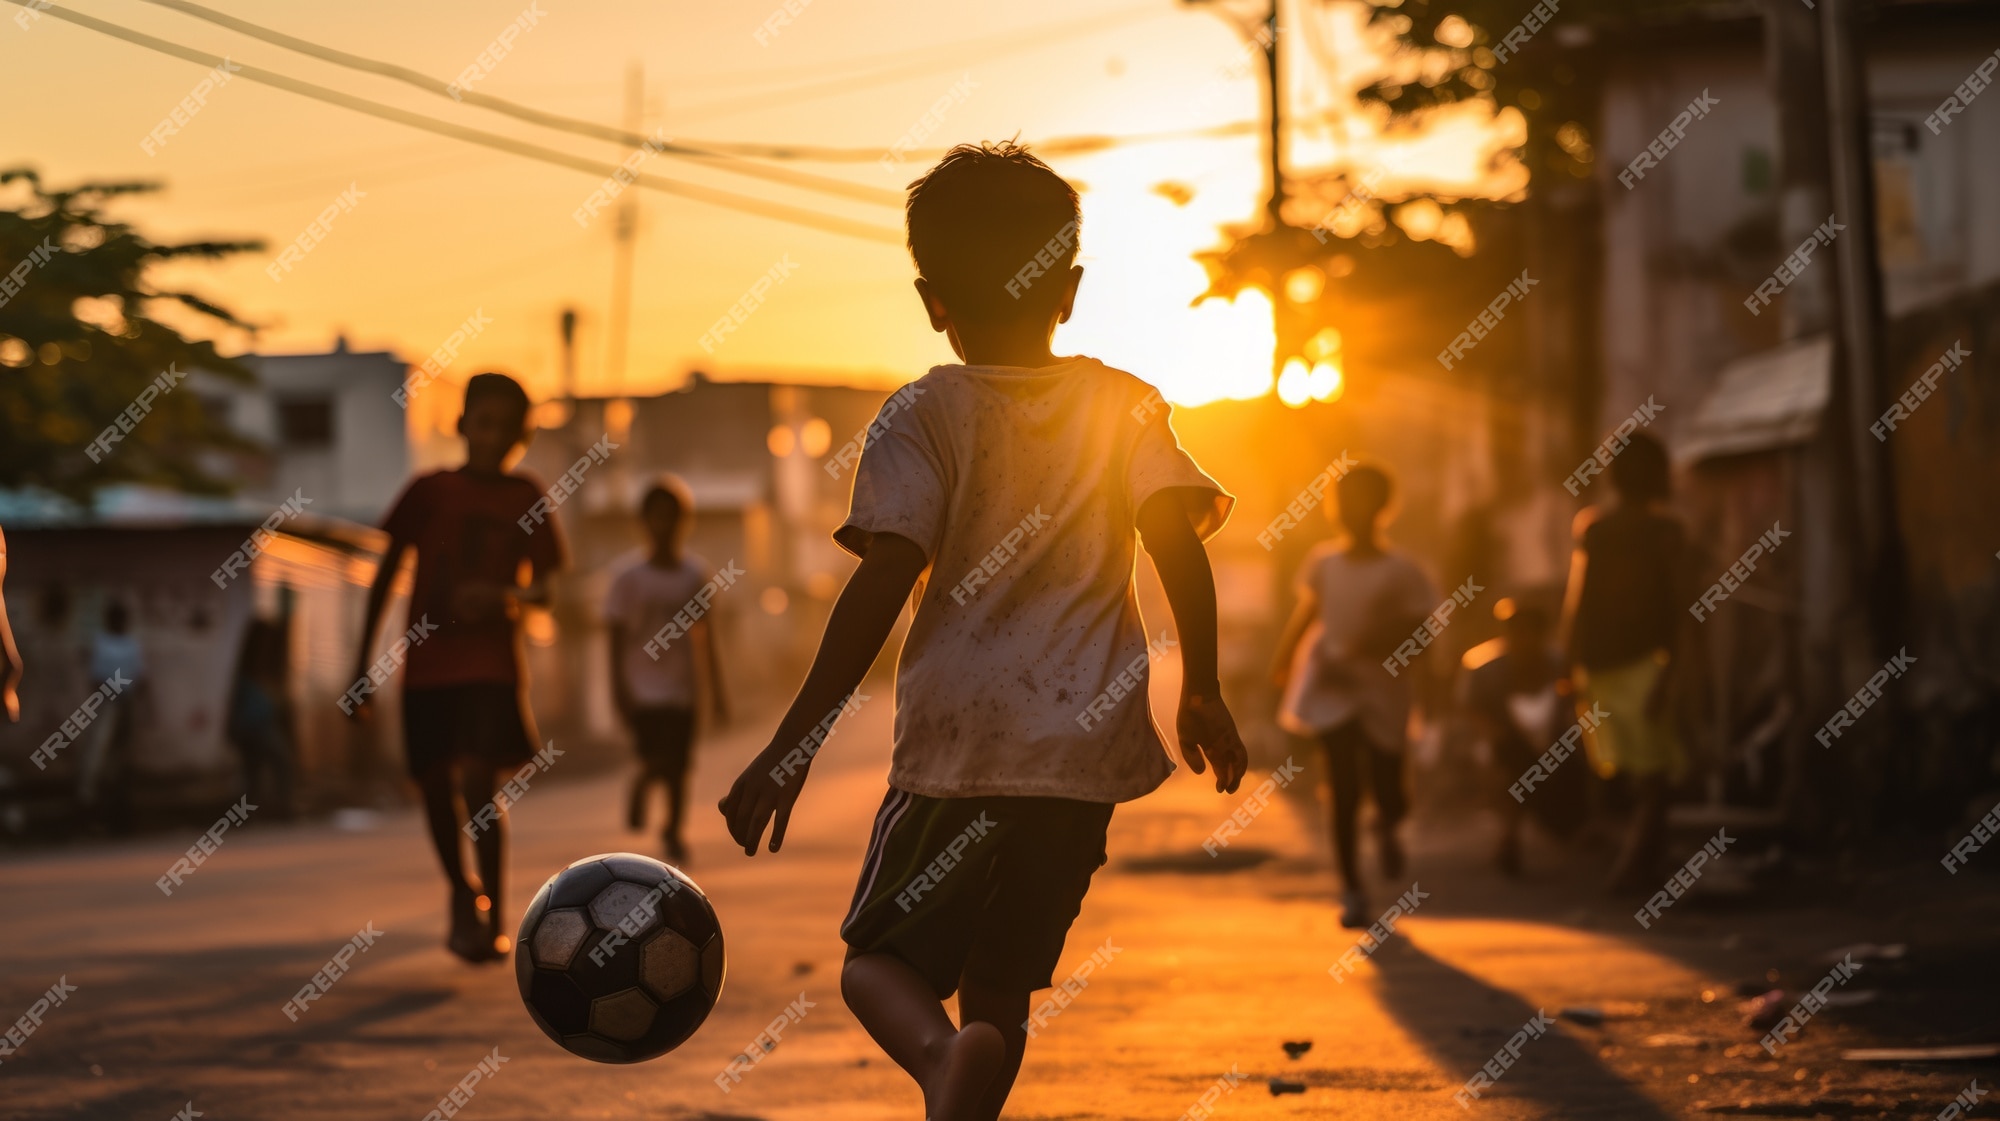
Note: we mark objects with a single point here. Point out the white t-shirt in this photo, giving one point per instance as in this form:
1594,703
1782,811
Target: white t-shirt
1022,487
116,654
643,599
1333,682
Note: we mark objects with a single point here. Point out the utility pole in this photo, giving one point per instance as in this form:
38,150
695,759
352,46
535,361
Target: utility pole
1266,39
1849,575
1859,299
567,325
1275,93
623,234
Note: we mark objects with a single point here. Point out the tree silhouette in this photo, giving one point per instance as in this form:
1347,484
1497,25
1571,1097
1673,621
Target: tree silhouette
77,348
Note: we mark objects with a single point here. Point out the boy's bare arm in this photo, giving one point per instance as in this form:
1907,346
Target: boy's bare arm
1207,732
1288,641
621,696
708,662
378,597
861,620
11,668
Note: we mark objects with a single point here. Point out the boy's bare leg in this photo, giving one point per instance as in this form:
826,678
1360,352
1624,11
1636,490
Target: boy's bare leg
635,806
955,1067
478,782
445,816
442,813
675,777
1007,1011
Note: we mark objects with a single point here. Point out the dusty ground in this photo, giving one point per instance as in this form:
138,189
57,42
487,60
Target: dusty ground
1218,962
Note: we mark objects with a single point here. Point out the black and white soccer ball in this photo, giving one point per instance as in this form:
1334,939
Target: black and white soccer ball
619,958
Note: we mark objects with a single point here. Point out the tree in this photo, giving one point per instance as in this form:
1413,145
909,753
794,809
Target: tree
78,348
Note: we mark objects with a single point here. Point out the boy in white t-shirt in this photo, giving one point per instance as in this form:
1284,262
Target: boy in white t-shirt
659,664
1005,501
1357,601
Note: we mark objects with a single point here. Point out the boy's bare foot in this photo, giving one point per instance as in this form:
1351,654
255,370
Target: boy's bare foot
473,936
964,1067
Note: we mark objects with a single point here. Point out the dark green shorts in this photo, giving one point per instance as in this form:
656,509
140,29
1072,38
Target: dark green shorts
976,887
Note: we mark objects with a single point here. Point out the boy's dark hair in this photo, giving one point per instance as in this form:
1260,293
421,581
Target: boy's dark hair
497,387
991,228
116,618
1365,484
1641,472
669,488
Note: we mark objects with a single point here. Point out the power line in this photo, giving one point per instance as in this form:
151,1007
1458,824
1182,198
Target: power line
763,208
1053,146
626,137
989,48
984,44
722,151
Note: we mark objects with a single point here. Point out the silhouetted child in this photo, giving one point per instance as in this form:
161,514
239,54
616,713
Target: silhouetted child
1512,695
663,653
260,713
1019,482
1623,606
104,768
1357,601
480,557
11,666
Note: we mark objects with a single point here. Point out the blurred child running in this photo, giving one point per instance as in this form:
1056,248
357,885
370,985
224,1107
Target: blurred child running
1357,600
480,558
660,667
1621,612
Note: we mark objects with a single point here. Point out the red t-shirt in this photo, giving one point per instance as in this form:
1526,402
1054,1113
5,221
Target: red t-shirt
466,527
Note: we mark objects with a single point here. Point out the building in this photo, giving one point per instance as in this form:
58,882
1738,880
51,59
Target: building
769,463
1751,411
330,427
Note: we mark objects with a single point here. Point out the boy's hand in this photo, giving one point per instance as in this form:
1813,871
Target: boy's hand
1208,731
756,796
364,709
1281,672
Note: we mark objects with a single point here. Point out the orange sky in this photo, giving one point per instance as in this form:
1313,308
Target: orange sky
442,228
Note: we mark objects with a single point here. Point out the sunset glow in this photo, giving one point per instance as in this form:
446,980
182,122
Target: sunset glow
441,228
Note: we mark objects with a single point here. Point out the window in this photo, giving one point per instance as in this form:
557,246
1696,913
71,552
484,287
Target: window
305,422
218,409
1919,220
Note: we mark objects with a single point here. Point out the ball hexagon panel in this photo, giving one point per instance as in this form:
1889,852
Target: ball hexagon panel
623,1016
557,938
631,908
669,965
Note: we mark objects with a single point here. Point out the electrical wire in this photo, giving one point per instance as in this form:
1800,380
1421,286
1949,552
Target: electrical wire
1053,146
531,115
851,67
713,196
696,149
989,49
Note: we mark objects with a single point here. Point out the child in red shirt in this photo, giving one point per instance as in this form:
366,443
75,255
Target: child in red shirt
465,718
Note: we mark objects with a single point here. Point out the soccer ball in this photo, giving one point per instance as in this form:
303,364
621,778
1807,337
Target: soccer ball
619,958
